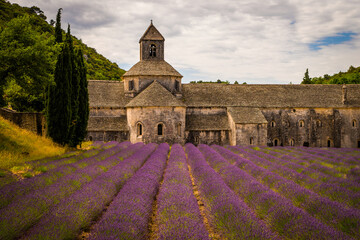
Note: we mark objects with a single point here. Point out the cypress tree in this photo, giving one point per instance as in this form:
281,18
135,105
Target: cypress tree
306,78
74,84
83,110
58,114
58,31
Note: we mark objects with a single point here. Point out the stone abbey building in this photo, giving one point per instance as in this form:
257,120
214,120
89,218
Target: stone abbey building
152,105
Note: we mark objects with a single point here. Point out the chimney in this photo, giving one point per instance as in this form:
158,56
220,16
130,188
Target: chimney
344,94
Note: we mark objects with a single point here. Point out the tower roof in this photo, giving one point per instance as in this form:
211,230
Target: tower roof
152,33
152,68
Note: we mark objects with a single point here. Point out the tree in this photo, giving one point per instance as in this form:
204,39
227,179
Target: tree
27,60
58,114
58,30
83,110
306,78
74,83
236,82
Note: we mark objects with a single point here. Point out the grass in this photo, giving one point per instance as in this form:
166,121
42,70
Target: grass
19,146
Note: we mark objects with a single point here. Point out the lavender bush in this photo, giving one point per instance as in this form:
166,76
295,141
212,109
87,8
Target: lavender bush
128,215
65,220
23,212
279,212
330,212
228,214
178,215
15,190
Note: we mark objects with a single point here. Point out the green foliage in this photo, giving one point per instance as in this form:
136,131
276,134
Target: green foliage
352,76
83,110
27,59
58,114
218,81
58,30
28,56
306,78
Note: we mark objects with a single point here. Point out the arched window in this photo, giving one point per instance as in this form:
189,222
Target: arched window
178,128
160,129
152,50
354,123
251,141
291,142
301,123
272,124
139,129
131,85
276,142
90,138
177,85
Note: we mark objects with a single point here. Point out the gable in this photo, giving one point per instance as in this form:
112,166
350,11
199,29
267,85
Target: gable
155,95
152,33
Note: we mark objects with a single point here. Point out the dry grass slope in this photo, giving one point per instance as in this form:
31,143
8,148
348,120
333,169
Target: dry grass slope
18,146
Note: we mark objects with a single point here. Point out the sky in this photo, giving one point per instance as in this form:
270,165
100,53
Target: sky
252,41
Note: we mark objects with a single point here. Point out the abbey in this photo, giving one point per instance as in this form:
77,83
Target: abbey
152,105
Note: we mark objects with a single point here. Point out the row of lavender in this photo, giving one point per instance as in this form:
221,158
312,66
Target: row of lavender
24,203
320,179
242,198
284,181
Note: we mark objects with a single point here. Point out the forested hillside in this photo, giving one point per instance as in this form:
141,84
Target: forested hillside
351,76
28,54
97,65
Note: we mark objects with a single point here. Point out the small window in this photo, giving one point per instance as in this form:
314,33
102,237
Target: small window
90,138
318,123
131,85
160,129
301,123
291,142
177,86
139,129
152,50
359,144
276,142
330,143
251,141
354,123
178,127
196,140
272,124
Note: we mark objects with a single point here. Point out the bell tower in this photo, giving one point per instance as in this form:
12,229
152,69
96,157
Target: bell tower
152,44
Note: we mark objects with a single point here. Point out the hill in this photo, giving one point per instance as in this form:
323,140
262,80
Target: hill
351,76
18,146
97,65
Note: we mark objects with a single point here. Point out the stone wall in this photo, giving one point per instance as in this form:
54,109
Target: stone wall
221,137
318,127
150,118
119,136
31,121
251,134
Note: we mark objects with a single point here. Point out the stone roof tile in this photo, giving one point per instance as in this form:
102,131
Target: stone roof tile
107,123
106,94
207,122
282,96
246,115
152,68
152,33
155,95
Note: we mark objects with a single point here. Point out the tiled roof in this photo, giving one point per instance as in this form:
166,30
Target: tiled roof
155,95
246,115
152,33
104,123
152,68
207,122
106,94
260,96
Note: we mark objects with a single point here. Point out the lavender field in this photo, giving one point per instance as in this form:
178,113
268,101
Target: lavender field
157,191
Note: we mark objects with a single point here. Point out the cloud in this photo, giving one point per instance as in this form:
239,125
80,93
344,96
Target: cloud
249,41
